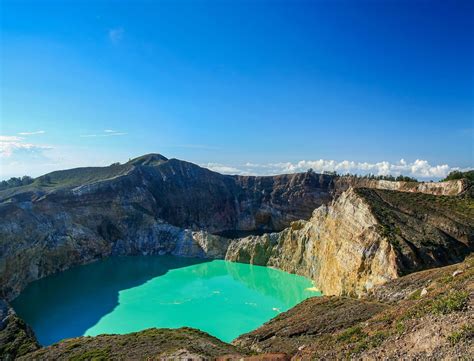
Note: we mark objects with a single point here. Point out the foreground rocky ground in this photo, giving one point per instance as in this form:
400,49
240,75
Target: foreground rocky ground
424,315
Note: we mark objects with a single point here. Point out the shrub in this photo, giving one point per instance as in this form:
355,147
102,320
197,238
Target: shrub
454,301
465,333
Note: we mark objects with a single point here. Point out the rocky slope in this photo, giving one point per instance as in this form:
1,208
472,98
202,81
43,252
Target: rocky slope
171,344
365,238
425,315
16,337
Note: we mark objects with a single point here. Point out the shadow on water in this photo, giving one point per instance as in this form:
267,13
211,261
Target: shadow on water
78,298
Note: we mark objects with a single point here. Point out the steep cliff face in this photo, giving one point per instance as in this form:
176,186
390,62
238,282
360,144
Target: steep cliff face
339,247
50,239
365,238
425,230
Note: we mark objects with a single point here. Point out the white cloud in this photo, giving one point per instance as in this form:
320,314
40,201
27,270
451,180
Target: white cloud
221,168
106,133
10,138
419,168
32,133
116,35
13,145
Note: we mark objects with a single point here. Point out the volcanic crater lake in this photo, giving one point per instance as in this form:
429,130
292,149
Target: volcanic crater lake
128,294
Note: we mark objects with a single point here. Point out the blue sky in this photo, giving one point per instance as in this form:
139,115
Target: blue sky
238,86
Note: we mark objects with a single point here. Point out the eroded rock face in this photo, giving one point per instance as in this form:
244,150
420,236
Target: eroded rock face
365,238
183,194
339,247
50,243
448,188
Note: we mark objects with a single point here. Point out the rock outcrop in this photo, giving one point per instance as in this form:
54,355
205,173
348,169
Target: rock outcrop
365,238
339,247
16,337
448,188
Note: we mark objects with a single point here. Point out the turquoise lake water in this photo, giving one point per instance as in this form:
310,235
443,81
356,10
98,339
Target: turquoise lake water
127,294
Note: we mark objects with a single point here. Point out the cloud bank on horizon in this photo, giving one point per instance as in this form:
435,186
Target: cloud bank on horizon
419,168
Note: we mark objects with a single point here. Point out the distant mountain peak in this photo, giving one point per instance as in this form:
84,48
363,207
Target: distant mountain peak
149,159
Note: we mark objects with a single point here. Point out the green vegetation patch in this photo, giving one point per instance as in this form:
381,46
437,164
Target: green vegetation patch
98,354
454,301
359,340
455,175
415,295
370,342
465,333
352,334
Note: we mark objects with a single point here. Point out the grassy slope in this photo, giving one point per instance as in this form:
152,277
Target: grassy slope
150,343
458,208
68,179
75,177
426,230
